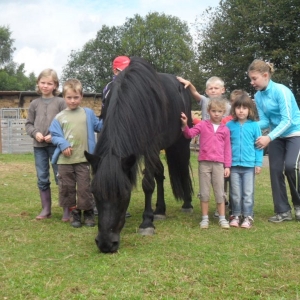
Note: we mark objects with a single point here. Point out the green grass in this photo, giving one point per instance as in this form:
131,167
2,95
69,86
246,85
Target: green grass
51,260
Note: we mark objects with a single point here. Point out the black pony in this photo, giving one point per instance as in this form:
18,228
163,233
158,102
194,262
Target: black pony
141,117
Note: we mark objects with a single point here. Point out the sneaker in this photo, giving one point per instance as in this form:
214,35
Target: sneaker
247,222
235,222
95,211
297,213
204,224
75,218
89,218
287,216
224,224
216,214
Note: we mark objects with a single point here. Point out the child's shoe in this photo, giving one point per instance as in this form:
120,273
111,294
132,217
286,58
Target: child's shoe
75,218
216,213
235,222
89,218
224,224
247,222
204,224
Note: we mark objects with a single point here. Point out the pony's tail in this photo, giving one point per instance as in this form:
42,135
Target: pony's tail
178,159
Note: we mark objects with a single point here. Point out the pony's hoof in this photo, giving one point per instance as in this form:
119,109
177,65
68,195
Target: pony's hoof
160,217
187,210
146,231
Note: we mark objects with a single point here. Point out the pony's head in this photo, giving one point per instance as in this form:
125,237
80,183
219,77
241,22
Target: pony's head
111,187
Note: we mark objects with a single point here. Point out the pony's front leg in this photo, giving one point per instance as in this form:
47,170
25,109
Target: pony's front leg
147,227
160,209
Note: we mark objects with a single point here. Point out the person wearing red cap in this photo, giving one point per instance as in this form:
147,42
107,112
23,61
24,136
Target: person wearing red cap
120,63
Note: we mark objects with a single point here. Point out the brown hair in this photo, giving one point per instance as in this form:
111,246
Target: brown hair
261,67
74,85
235,94
48,73
243,99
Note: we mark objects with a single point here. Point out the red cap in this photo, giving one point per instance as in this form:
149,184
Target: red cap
121,62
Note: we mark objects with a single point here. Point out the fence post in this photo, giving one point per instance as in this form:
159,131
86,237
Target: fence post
0,136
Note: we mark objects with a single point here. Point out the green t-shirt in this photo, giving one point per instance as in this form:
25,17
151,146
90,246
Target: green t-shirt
74,126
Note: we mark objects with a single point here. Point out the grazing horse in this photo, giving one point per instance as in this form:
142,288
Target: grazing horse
141,117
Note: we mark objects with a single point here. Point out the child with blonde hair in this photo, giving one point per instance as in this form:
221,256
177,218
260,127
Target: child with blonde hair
73,133
214,158
278,110
246,159
40,115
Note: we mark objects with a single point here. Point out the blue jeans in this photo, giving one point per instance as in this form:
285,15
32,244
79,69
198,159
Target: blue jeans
242,190
43,156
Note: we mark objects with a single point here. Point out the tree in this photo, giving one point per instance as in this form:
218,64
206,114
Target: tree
13,78
162,40
92,64
12,75
240,31
6,48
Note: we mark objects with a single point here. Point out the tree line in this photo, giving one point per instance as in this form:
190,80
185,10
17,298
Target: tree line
226,40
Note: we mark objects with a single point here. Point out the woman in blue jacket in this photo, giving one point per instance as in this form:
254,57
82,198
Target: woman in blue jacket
246,160
278,110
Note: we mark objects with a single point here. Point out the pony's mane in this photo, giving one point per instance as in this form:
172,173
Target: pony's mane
136,113
134,120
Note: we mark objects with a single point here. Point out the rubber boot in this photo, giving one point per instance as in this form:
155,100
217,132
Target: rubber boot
46,205
75,218
66,214
89,218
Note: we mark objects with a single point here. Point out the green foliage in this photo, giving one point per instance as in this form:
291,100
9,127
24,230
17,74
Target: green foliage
51,260
6,45
92,64
239,31
13,78
162,40
12,75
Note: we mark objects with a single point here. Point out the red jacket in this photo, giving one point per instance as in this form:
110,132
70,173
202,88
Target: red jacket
214,146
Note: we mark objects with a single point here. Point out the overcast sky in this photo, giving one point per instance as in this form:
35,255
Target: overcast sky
46,31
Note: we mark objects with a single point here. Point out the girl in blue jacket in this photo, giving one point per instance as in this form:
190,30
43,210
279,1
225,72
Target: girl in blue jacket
246,160
278,110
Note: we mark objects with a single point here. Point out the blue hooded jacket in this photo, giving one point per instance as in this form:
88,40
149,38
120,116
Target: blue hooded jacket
243,137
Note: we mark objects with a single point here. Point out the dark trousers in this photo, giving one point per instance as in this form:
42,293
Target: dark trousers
74,182
284,155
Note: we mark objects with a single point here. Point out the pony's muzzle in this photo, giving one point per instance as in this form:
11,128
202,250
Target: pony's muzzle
108,245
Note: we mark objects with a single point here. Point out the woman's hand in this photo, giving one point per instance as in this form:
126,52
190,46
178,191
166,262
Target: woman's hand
262,142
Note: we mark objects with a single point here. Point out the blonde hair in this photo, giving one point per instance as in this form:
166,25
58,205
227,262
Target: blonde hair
261,67
48,73
216,80
242,99
217,103
74,85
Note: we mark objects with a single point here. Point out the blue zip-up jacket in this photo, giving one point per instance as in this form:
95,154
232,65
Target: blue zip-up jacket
58,139
278,110
242,138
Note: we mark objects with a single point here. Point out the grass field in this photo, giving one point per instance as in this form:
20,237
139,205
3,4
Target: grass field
51,260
